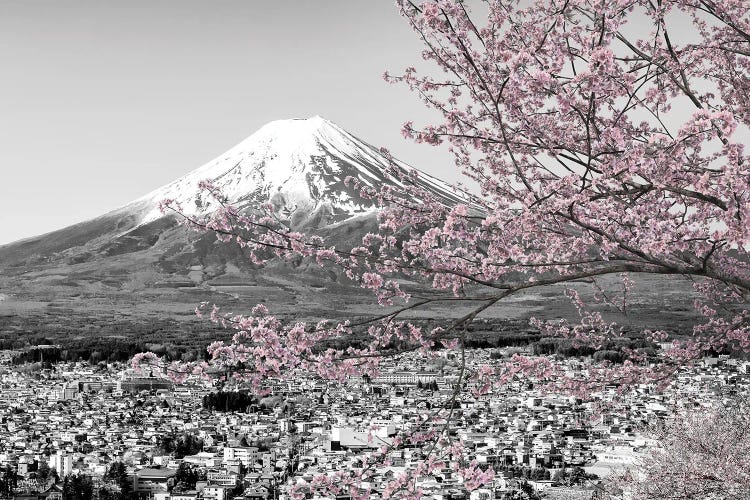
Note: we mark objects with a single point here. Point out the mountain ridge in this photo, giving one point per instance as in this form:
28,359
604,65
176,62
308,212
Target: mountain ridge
293,163
299,165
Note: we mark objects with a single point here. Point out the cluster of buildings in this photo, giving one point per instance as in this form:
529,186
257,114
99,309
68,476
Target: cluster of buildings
77,420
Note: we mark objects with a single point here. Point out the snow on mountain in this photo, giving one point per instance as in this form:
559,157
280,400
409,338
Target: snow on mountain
299,165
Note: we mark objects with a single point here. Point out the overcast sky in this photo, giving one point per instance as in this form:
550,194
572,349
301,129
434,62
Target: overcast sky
104,101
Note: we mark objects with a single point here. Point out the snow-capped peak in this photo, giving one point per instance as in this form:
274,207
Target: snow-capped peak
298,164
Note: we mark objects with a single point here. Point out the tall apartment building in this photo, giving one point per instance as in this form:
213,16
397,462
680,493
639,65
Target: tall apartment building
62,463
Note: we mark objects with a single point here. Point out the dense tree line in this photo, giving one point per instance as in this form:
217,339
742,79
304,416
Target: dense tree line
488,340
88,350
430,386
44,473
612,350
180,446
117,484
8,481
77,487
75,332
228,401
98,350
11,344
573,476
563,347
187,476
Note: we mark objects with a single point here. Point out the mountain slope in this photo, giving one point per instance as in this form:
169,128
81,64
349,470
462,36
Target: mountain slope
134,259
299,165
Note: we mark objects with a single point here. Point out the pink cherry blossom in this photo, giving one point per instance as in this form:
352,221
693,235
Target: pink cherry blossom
594,149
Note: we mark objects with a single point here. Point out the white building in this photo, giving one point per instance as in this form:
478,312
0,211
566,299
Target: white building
215,492
222,479
374,436
62,463
245,454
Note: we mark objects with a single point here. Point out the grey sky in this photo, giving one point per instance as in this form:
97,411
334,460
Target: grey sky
102,101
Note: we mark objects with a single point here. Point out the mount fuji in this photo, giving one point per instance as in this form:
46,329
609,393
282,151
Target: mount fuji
138,256
298,165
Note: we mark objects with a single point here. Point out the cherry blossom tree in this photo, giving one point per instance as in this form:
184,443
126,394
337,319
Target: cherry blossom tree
702,454
604,137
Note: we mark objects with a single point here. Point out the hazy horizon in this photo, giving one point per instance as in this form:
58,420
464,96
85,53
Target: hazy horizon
103,103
